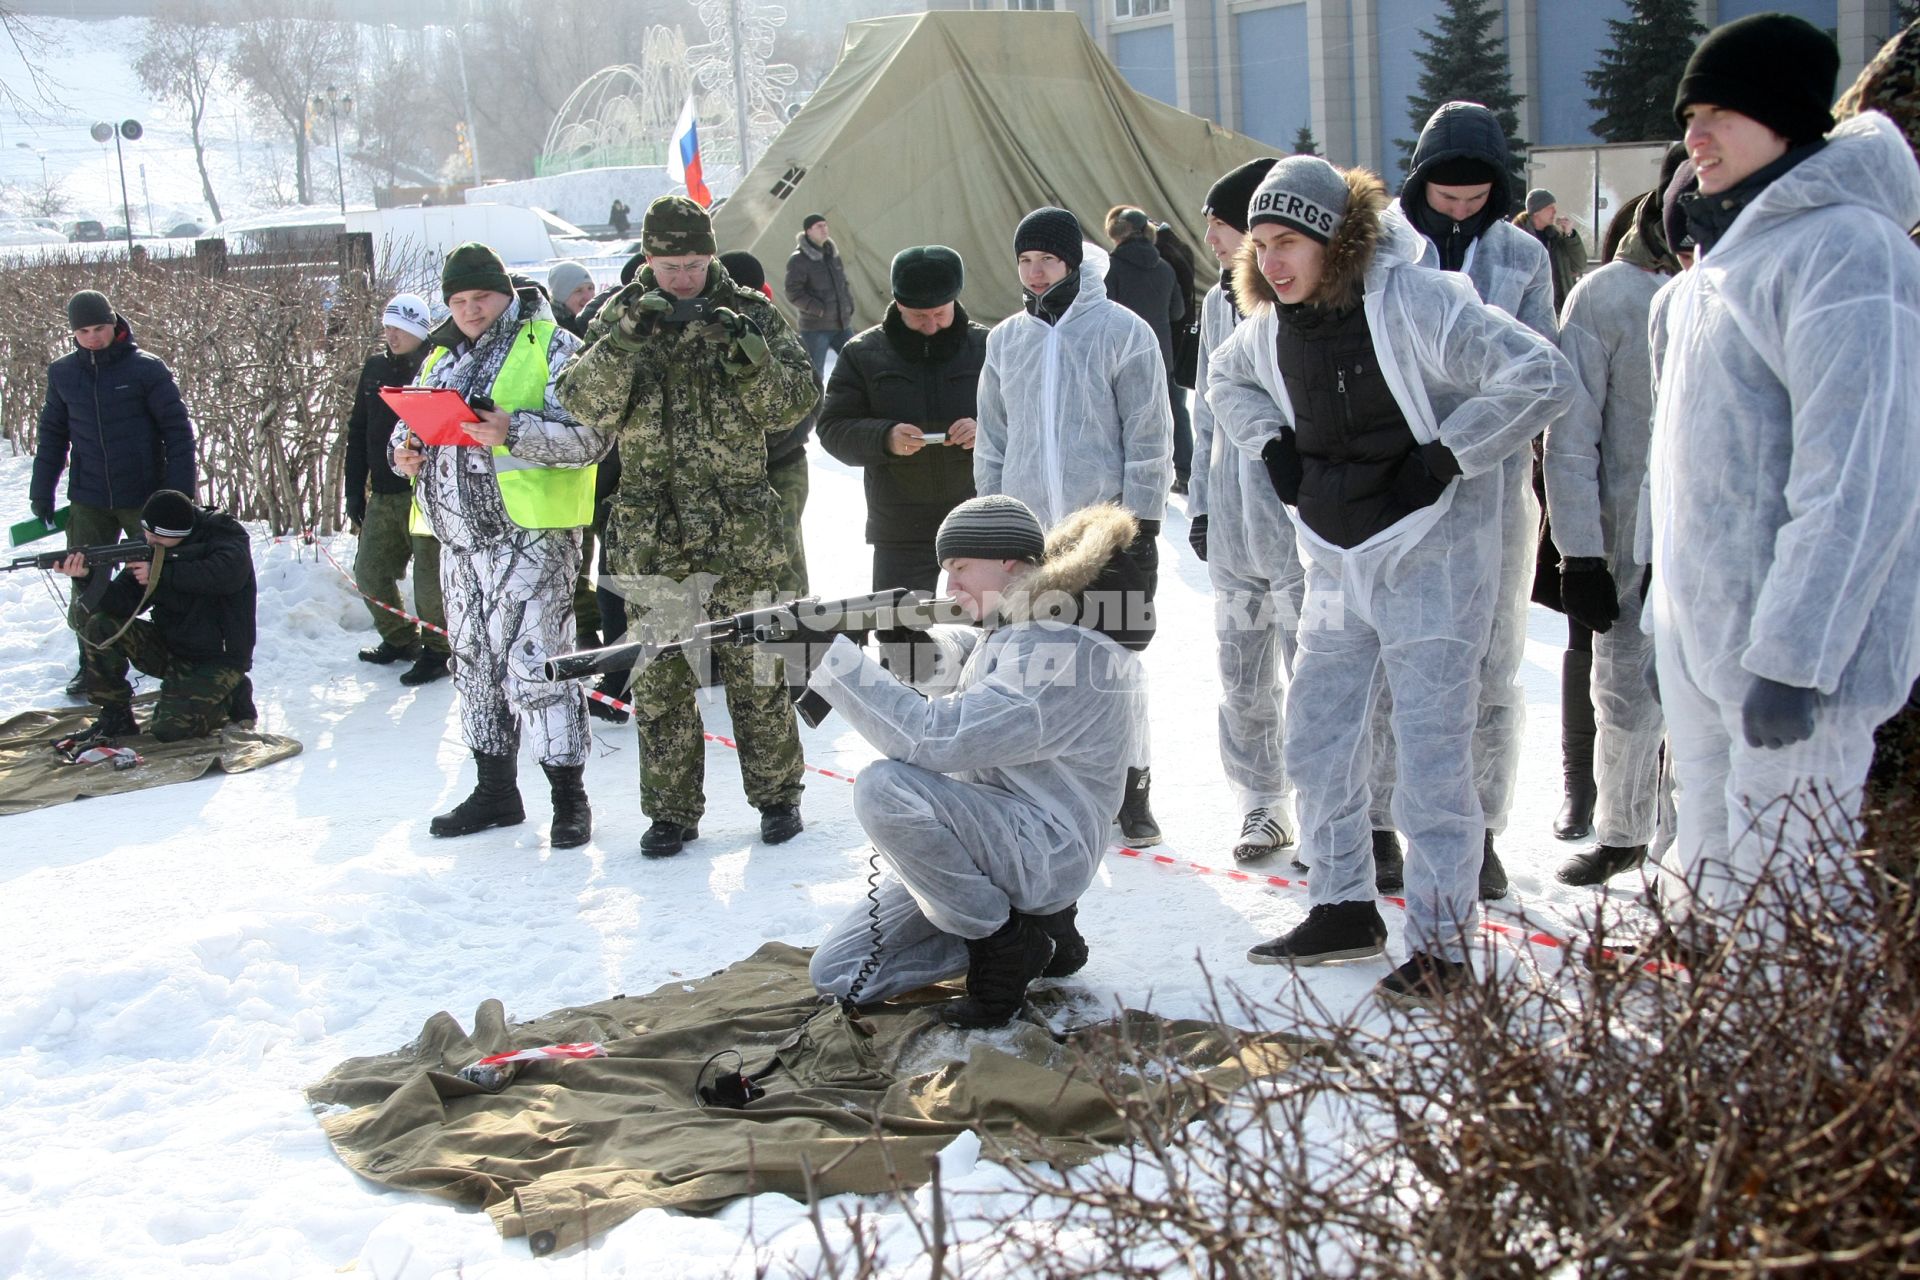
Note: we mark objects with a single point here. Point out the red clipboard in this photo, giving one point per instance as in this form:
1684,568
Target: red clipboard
435,414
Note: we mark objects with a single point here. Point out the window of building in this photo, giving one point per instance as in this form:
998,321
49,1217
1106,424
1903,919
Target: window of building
1139,8
1031,6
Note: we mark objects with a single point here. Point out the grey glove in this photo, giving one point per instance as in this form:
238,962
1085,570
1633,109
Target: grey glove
1777,715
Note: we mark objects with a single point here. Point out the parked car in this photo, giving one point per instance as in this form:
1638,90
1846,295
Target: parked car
17,231
87,229
184,230
115,232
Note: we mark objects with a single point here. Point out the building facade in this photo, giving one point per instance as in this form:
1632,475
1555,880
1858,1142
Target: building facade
1345,68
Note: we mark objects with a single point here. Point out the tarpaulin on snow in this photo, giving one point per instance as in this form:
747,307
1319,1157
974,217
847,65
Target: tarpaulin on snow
570,1148
947,128
33,776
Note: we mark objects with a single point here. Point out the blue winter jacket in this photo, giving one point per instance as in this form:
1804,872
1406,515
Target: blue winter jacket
115,422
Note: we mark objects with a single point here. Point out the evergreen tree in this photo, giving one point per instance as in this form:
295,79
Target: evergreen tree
1640,72
1465,62
1303,143
1905,14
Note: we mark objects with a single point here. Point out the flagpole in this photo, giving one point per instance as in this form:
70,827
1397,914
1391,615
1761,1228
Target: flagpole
741,123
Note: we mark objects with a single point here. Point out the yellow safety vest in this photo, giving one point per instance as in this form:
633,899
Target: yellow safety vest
536,497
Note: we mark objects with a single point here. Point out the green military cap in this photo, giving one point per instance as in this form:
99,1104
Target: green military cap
674,226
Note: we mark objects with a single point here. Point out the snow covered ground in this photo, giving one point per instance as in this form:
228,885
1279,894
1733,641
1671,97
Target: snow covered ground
185,960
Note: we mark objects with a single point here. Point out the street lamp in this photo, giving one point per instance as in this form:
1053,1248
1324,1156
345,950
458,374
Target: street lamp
333,102
131,131
25,146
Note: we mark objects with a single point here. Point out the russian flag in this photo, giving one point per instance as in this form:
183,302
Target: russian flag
683,157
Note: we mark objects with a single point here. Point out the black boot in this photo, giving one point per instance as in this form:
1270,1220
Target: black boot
386,652
1600,864
240,708
1389,863
572,818
999,967
1493,876
77,687
495,801
114,722
780,823
1136,817
1576,746
666,838
428,667
1332,931
1069,948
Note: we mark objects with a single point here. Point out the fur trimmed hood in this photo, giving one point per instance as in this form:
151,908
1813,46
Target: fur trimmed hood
1088,579
1350,254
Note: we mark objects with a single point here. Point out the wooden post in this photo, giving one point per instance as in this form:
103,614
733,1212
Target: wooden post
210,256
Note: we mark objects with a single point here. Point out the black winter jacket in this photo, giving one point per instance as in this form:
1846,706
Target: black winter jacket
1140,280
817,286
372,422
114,421
204,605
890,374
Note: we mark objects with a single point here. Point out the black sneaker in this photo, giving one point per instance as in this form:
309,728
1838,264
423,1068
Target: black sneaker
387,652
1262,832
1493,876
1389,863
1599,864
431,665
1332,931
1423,981
780,823
666,838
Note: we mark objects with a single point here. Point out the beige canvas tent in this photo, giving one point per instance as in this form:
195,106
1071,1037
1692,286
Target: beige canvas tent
947,128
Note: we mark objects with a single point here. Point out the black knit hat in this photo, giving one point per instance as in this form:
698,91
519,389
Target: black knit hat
1770,67
806,223
927,276
1050,230
1227,199
474,266
1460,171
169,513
995,527
88,308
744,268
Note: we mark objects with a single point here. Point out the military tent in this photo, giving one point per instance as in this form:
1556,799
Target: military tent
947,128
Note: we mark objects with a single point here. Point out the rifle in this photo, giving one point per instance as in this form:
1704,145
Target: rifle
112,553
809,625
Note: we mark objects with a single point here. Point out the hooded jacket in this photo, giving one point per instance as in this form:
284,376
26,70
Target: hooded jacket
1461,373
1510,268
1044,711
1248,533
458,489
1143,282
1076,413
372,422
817,287
1784,459
891,374
114,421
203,606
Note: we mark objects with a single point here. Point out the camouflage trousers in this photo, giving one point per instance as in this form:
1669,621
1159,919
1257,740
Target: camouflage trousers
789,481
673,752
196,698
385,547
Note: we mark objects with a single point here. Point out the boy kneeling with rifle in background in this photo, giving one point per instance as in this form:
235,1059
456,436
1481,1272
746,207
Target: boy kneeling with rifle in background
197,579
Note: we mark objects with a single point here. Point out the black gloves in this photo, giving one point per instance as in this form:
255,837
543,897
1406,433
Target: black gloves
357,508
1423,475
1587,593
1283,466
42,510
1777,715
1197,537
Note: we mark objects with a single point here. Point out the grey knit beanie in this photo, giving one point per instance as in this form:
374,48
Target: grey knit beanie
1538,199
564,277
1304,193
995,527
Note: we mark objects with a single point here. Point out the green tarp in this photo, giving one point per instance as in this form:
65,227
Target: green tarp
32,776
947,128
570,1148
